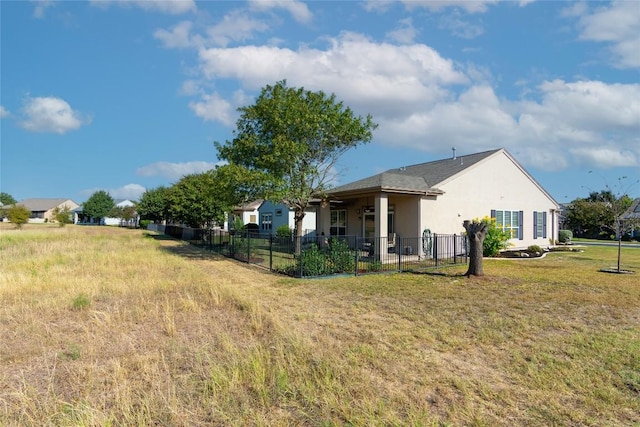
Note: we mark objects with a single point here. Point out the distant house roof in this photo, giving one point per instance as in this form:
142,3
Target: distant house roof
250,206
37,205
422,178
633,212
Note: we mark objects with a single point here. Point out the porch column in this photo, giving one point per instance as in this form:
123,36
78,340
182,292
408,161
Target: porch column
382,218
323,219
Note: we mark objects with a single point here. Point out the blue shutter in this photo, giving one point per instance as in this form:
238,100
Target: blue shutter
535,224
493,213
544,225
520,226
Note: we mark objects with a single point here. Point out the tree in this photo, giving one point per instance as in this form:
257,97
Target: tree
597,215
98,205
7,199
154,204
18,215
288,143
202,200
476,232
62,216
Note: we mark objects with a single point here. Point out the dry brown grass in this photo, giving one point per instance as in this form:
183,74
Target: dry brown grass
105,326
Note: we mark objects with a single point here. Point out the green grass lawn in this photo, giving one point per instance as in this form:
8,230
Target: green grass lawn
105,326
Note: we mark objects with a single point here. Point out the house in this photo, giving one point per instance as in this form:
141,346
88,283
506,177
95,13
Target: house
274,215
248,213
436,197
42,210
118,203
632,217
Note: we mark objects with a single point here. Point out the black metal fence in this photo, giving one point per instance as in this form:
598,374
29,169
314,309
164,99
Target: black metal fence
314,256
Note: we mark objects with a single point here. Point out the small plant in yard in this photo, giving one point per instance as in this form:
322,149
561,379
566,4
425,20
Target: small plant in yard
81,302
565,236
72,353
374,265
534,249
18,215
496,238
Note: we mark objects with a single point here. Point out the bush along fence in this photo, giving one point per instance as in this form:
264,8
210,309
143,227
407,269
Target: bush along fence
315,256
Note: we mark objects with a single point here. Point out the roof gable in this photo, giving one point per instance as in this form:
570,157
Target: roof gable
37,205
422,178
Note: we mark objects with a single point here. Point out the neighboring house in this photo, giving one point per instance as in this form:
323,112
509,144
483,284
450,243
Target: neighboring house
632,215
274,215
248,213
42,210
121,203
438,196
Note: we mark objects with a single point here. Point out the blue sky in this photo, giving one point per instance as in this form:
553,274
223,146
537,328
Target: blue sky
125,96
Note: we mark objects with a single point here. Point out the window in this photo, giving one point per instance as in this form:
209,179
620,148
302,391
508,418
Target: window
338,223
390,220
266,221
510,221
539,225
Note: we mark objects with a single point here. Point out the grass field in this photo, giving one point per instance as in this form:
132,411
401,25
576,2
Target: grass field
103,326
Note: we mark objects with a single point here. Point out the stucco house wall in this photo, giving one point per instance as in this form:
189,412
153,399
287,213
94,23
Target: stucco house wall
42,209
497,184
440,195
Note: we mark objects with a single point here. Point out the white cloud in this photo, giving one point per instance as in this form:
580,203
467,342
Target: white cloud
617,24
4,112
178,37
236,26
50,114
213,108
41,7
172,7
298,10
405,33
606,157
460,28
475,6
129,191
381,78
174,171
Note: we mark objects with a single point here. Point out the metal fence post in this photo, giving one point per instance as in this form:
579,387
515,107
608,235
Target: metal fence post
435,248
399,252
271,252
455,252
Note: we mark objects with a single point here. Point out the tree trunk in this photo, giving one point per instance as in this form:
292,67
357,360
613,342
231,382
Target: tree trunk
476,231
298,215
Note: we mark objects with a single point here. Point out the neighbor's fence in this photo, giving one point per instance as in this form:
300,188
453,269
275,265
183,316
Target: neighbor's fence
313,256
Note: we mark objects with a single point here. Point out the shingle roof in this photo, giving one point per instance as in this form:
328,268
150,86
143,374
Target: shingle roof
37,205
633,212
422,178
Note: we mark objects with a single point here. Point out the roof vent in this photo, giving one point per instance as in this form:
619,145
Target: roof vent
454,152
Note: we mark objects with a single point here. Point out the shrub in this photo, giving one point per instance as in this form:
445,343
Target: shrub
284,232
19,215
565,236
313,262
341,258
496,239
534,249
144,223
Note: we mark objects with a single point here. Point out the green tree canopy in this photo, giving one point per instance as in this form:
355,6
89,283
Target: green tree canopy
63,216
154,204
18,215
98,205
596,215
288,143
7,199
203,199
